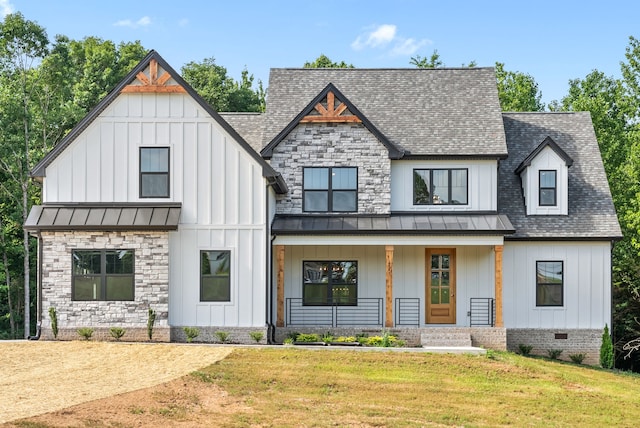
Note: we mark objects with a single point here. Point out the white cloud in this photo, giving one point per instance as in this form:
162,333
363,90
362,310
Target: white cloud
145,21
384,36
5,8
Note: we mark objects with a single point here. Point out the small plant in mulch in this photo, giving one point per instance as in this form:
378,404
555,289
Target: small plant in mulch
554,354
307,338
524,349
117,332
191,333
54,322
222,336
288,341
257,336
85,332
327,337
577,358
150,321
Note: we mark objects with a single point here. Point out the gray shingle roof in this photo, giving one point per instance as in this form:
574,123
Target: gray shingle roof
248,125
591,211
441,112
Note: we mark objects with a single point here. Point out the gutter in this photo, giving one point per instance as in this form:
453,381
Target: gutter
39,292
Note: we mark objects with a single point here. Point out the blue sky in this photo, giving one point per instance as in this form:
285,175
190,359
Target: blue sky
554,41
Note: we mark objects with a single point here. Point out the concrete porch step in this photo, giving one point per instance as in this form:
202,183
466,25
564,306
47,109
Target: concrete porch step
444,338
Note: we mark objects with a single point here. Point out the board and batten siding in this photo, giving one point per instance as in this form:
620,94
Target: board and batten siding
482,185
587,285
474,272
219,184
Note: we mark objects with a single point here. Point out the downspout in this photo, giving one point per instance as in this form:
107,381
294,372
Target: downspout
39,291
268,275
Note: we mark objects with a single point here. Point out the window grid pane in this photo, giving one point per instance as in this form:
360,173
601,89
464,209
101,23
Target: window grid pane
440,187
549,283
154,172
330,189
330,283
100,275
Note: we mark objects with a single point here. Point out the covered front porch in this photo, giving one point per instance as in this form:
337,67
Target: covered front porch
342,282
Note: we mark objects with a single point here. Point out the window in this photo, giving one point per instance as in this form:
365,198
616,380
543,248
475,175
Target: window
215,280
103,275
440,186
330,283
549,283
154,172
547,195
330,189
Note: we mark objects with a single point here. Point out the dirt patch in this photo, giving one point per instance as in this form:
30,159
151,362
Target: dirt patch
42,377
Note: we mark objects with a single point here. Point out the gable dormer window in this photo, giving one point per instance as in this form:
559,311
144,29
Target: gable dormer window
548,188
154,172
330,189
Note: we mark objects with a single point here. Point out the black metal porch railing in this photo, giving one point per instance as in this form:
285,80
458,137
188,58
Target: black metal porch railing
482,311
407,312
366,312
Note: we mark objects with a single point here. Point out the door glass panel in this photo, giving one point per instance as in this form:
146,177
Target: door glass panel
435,262
435,295
444,279
445,261
444,294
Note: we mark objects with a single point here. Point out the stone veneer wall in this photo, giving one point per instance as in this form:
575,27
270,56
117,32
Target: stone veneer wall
339,145
578,341
151,266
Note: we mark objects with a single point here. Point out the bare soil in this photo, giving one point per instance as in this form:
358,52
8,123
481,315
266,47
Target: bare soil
73,379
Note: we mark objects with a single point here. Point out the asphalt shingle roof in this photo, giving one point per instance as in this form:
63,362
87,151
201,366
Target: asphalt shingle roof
248,125
441,112
591,211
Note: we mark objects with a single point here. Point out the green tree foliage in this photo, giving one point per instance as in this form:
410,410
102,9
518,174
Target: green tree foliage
606,350
212,83
517,91
324,61
433,61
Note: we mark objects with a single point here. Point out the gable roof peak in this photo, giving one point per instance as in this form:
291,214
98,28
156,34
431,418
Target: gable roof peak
323,109
547,142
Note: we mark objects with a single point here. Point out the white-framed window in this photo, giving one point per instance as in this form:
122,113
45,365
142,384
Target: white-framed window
215,276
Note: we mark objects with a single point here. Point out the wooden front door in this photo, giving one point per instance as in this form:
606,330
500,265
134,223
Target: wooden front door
440,292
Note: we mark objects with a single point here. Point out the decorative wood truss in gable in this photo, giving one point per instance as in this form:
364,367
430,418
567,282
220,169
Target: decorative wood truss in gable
332,110
153,83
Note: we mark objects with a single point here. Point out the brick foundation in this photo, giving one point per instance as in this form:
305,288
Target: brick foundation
570,341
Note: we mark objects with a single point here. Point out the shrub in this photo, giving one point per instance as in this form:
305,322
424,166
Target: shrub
150,321
85,332
385,341
222,336
288,341
554,354
524,349
54,322
307,337
577,358
191,332
343,339
606,349
327,337
293,335
117,332
256,335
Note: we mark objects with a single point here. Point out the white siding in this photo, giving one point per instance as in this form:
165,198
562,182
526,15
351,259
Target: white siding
587,285
482,185
474,271
219,184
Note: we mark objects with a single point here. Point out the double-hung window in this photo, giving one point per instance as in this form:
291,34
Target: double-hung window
549,283
330,189
440,186
215,277
330,283
154,172
103,275
548,188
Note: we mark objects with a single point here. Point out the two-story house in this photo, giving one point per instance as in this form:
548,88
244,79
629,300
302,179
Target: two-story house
362,199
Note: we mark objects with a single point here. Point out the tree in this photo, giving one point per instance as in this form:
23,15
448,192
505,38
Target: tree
433,61
22,44
211,82
517,91
323,61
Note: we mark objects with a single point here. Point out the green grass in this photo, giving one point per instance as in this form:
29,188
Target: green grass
297,387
